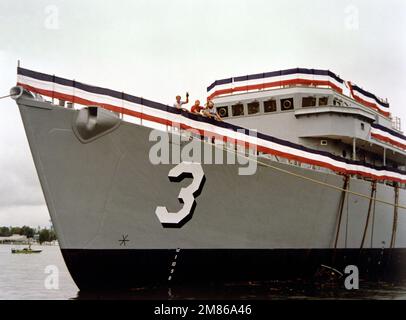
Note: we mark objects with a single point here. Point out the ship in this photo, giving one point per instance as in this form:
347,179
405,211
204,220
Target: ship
328,189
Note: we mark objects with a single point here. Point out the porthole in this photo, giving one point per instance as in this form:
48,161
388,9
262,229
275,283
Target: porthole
223,112
287,104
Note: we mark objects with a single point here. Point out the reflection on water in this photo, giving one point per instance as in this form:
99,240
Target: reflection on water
23,277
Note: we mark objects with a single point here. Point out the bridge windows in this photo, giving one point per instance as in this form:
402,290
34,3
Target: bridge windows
308,102
270,106
323,101
253,107
312,101
237,110
287,104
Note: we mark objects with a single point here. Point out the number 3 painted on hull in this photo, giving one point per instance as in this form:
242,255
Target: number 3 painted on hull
186,195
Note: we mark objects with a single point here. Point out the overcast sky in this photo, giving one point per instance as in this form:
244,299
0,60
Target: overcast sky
157,49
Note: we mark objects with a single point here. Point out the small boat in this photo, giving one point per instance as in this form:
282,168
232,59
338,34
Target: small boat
25,250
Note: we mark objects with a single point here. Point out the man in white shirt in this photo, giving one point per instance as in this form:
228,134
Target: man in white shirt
178,104
211,112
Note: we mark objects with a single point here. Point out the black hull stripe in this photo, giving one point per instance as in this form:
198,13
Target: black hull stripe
124,269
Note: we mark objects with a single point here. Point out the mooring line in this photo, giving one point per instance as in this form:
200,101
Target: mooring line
395,218
9,95
341,208
371,202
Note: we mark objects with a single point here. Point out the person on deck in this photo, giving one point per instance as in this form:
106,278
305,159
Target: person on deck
211,112
178,104
197,108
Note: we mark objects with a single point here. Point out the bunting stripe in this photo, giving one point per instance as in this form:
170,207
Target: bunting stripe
149,110
296,76
368,99
384,134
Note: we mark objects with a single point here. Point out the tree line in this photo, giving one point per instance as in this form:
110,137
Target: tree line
44,234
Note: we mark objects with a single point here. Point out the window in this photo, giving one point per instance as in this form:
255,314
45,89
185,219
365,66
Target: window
270,106
223,112
287,104
308,102
323,101
238,110
362,126
337,102
253,107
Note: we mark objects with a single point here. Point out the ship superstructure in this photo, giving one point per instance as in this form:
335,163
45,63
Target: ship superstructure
317,109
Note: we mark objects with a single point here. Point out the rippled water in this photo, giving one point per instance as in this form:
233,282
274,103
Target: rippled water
23,277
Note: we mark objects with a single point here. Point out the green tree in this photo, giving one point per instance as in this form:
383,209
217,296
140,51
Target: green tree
5,232
52,235
15,230
44,235
27,231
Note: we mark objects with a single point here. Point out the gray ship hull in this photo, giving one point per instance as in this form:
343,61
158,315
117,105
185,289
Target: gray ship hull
102,196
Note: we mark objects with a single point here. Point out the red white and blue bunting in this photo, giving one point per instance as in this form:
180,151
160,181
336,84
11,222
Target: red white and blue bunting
139,108
384,134
296,76
368,99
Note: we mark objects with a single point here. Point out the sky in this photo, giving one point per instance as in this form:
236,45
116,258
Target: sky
160,48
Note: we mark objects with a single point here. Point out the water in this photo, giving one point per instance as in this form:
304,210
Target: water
23,276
